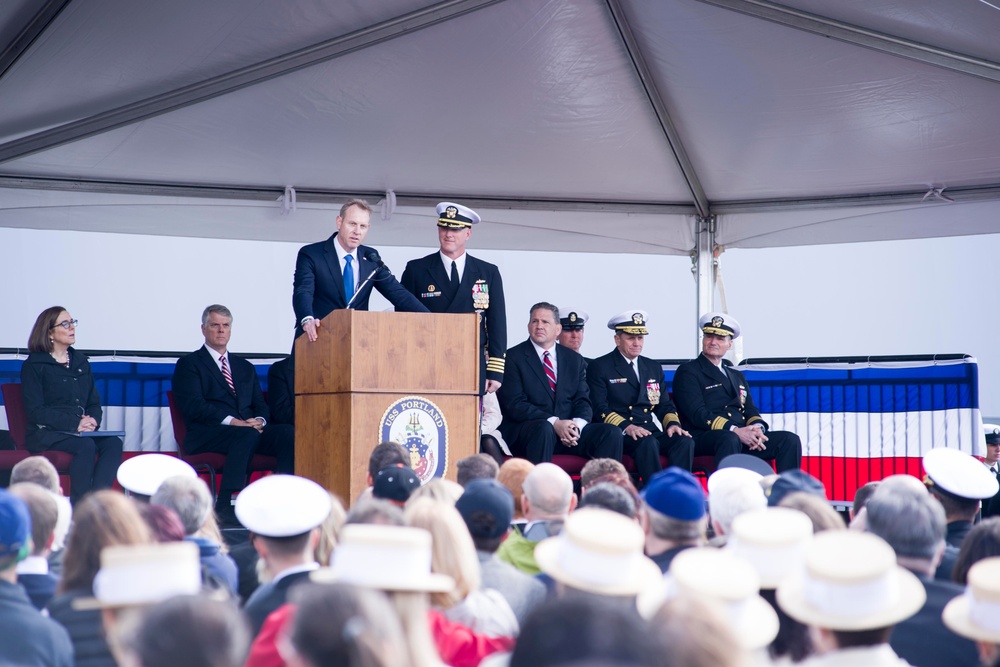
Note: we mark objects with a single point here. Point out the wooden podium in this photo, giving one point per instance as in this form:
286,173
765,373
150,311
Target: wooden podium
350,386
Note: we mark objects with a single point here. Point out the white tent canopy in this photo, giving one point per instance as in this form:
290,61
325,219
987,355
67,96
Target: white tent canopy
582,125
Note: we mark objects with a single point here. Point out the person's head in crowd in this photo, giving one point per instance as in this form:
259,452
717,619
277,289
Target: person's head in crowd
794,481
477,466
203,632
600,632
902,513
452,551
15,534
860,567
408,583
44,513
973,615
724,579
620,480
329,530
696,634
142,475
512,475
283,513
487,508
861,497
731,492
339,624
983,541
598,553
959,482
164,524
595,468
673,512
188,497
384,455
40,471
609,496
992,434
819,511
572,320
440,489
102,519
395,483
375,511
774,540
548,493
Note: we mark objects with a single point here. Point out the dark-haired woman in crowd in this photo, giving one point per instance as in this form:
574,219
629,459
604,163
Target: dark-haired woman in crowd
60,399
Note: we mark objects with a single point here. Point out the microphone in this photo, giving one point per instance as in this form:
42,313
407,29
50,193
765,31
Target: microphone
371,254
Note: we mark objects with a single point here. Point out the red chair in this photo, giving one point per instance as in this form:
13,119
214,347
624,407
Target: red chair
211,462
17,422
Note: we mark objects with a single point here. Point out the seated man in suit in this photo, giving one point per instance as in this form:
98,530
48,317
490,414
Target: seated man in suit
281,391
545,400
224,410
329,274
716,405
627,389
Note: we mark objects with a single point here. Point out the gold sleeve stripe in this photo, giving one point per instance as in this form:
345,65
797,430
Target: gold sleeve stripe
754,419
671,418
719,423
613,418
495,364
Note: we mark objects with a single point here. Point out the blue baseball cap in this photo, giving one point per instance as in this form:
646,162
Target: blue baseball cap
675,493
794,481
15,526
491,497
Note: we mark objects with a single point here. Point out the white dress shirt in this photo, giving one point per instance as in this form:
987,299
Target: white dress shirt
580,423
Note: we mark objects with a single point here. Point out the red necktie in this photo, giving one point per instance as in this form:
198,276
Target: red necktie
550,371
226,374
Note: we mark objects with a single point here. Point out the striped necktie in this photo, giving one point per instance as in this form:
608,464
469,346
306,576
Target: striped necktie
226,374
550,371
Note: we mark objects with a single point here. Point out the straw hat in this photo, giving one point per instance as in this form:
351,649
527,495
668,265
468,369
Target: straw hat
282,506
725,579
144,574
976,614
386,558
773,540
851,582
143,474
598,551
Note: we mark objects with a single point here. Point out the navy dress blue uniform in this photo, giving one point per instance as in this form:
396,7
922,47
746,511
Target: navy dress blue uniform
711,402
619,399
318,286
205,400
481,289
527,404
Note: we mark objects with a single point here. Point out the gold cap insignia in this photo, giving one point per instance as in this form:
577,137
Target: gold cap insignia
717,321
451,212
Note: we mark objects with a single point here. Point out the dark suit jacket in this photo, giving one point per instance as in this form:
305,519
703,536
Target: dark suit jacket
204,397
426,279
619,399
525,393
318,286
923,640
281,391
269,597
28,637
56,397
706,404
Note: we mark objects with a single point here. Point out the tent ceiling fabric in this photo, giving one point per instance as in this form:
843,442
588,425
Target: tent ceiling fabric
518,100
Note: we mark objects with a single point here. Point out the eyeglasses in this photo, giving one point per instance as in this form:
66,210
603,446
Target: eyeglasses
68,324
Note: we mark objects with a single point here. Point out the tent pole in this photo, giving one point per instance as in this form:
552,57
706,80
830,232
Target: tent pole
704,269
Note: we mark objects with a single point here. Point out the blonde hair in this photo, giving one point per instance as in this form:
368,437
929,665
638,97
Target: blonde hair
697,634
413,610
440,489
452,549
329,531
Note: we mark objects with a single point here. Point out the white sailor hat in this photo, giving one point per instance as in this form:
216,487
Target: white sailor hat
456,216
630,322
133,575
143,474
992,433
958,474
572,319
282,506
720,324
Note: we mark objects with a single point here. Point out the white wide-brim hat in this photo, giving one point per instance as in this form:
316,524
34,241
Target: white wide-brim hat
725,580
144,574
143,474
600,552
773,540
851,582
385,558
976,614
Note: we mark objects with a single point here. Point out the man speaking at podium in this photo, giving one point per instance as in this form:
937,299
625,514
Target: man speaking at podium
340,272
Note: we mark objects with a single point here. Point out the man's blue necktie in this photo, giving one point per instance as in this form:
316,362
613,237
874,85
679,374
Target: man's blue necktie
348,277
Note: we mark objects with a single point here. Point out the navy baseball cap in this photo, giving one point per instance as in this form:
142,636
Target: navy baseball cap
15,526
794,481
675,493
395,483
491,497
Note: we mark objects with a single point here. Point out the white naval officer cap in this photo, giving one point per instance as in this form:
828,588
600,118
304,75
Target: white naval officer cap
720,324
992,433
456,216
959,474
282,506
631,322
143,474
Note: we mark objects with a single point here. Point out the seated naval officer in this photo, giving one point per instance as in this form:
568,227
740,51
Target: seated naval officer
991,506
716,405
627,390
572,320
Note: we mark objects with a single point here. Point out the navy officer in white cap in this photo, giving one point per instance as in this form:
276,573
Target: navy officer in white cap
627,389
991,506
572,320
716,405
452,281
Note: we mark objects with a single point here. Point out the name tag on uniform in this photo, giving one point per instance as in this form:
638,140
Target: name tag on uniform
617,380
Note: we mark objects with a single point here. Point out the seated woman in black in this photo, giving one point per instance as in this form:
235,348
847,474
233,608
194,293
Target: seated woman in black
60,399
